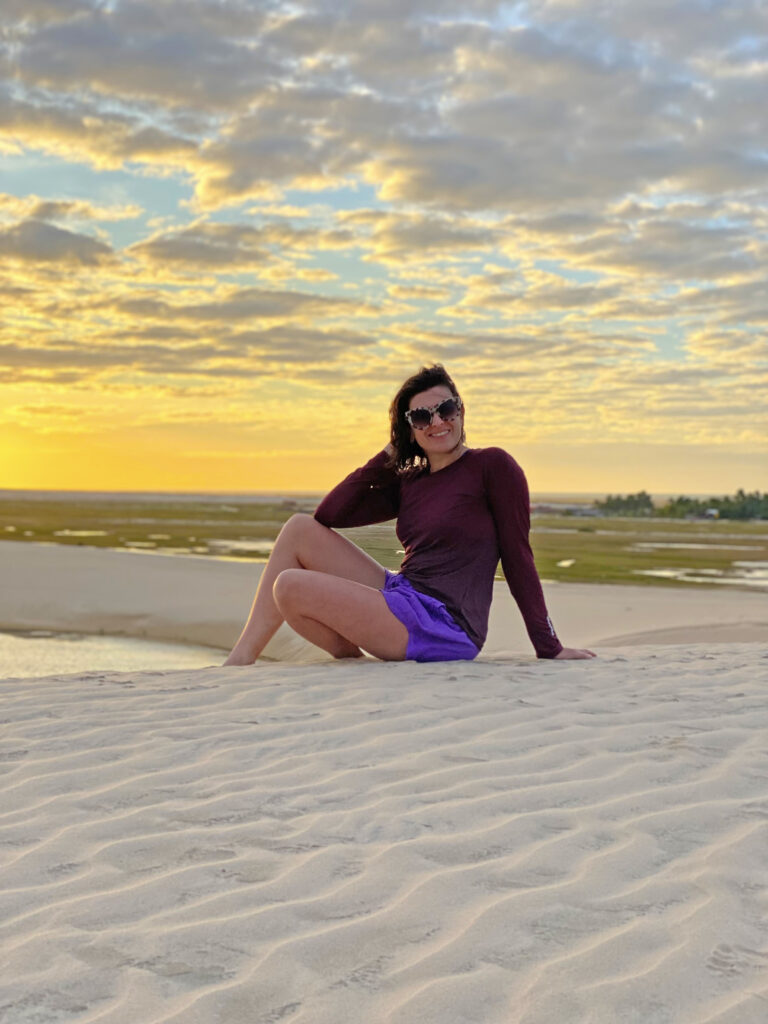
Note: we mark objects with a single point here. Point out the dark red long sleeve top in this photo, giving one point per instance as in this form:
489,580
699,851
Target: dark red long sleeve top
454,526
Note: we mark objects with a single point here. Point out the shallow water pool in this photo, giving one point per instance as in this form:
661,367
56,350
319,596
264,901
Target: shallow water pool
30,653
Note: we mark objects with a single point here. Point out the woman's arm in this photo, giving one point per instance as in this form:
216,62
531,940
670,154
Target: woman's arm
507,491
370,494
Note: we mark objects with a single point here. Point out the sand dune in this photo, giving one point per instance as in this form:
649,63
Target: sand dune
515,841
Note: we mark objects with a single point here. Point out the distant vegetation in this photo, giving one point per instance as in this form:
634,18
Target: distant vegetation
644,550
639,504
740,506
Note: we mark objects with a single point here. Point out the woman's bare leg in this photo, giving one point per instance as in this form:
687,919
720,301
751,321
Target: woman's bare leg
340,615
303,543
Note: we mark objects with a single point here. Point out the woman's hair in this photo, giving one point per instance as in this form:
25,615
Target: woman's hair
407,453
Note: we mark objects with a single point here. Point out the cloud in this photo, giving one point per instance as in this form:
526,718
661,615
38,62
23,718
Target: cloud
151,358
81,130
549,298
41,12
729,349
540,353
302,345
398,238
238,304
672,249
49,417
172,352
34,241
181,53
222,246
260,151
35,208
204,245
656,26
402,291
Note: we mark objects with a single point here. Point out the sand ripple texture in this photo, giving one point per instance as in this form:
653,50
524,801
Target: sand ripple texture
510,842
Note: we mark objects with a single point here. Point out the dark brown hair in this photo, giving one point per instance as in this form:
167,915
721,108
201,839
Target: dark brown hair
407,453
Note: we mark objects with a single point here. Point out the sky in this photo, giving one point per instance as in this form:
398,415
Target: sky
230,229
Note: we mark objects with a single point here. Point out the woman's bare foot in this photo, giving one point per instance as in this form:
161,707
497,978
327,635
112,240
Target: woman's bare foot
237,657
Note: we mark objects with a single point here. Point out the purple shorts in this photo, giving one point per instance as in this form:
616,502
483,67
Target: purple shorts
432,633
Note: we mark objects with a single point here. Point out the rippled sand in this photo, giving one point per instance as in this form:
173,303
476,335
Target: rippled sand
509,842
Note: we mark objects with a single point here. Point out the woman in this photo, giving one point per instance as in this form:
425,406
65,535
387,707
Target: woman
458,511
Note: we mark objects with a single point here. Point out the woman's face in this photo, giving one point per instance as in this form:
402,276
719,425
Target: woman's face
441,436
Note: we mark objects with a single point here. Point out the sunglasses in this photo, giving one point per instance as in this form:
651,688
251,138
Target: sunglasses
421,418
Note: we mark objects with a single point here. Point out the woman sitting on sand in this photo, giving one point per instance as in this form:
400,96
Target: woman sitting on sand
458,509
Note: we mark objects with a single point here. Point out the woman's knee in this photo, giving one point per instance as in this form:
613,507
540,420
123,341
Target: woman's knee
300,523
286,588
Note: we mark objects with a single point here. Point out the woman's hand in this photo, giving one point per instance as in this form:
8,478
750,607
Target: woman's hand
573,653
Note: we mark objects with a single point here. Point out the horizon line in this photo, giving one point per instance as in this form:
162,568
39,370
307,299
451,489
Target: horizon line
11,491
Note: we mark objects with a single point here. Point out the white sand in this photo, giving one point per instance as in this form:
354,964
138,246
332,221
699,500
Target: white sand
507,841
